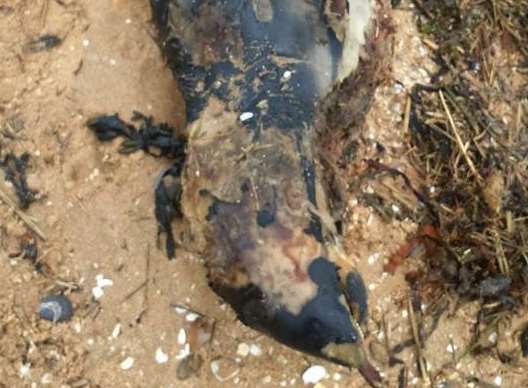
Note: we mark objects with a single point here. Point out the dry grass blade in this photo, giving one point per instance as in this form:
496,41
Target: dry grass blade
5,198
422,363
459,141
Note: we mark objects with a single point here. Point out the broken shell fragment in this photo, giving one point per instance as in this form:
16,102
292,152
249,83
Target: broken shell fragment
55,308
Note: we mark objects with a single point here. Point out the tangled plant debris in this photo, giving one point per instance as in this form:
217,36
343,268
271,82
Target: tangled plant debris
469,141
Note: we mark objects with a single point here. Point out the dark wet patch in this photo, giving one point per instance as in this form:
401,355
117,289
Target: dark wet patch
44,43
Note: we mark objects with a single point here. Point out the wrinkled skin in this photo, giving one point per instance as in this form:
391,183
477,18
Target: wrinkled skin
254,73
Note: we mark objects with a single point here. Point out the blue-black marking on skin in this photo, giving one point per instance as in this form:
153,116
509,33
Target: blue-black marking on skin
289,105
265,217
283,24
315,228
357,294
160,13
286,108
322,320
188,76
309,178
221,72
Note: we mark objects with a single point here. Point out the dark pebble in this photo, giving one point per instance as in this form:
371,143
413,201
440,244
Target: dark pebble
55,308
189,366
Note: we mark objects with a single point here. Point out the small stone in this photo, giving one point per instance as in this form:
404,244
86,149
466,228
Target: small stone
102,282
224,369
373,258
46,379
189,366
180,310
182,337
498,381
55,308
492,337
127,363
255,350
314,374
184,352
116,331
243,349
25,370
191,317
246,116
451,348
97,292
161,357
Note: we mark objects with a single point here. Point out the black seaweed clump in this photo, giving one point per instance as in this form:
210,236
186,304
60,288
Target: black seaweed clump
157,140
15,171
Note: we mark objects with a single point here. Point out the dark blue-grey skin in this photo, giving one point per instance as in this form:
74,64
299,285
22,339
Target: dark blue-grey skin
253,74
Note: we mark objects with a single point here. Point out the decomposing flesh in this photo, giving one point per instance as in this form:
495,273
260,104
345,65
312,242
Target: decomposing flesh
254,74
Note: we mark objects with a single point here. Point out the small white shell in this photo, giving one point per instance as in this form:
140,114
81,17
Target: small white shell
161,357
314,374
127,363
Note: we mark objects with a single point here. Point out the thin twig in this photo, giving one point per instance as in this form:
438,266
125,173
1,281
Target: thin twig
407,116
459,140
5,198
419,355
